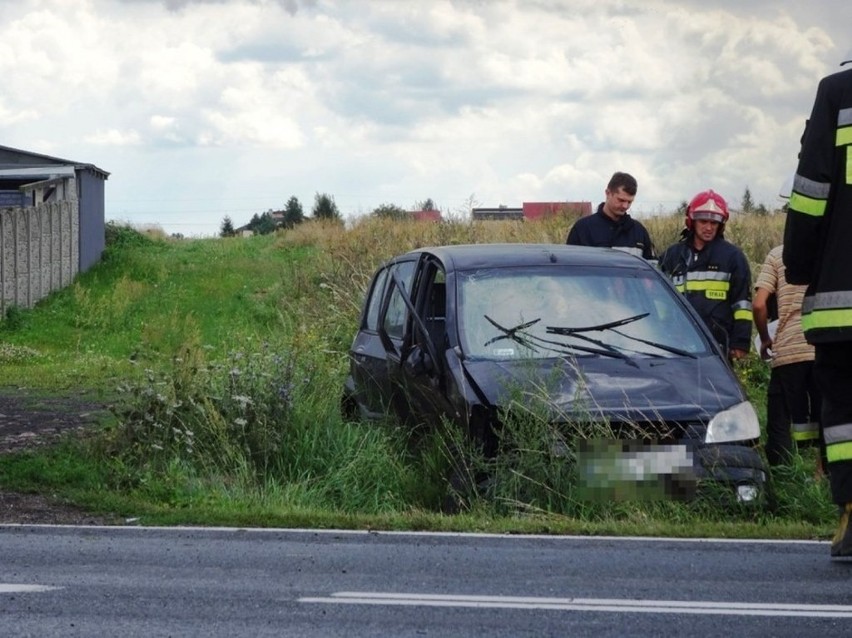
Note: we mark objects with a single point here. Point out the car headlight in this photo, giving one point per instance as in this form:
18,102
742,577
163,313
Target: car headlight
738,423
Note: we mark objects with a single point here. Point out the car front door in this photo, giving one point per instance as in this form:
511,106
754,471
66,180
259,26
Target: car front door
418,368
369,352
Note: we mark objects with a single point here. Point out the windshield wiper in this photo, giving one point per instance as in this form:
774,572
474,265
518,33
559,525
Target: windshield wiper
561,330
661,346
602,348
512,333
535,343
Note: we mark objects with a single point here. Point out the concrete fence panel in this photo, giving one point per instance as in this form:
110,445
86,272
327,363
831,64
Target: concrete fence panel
39,251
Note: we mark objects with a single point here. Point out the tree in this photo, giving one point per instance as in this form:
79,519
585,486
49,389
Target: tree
265,225
325,208
390,211
748,203
428,204
293,213
227,228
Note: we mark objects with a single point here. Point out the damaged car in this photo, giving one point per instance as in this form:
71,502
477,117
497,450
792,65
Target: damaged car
454,333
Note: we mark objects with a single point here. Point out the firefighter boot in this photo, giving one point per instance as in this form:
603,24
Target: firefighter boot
841,544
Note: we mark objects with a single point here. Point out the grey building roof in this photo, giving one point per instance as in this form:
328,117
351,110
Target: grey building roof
12,159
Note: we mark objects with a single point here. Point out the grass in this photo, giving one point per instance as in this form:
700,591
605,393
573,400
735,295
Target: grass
223,361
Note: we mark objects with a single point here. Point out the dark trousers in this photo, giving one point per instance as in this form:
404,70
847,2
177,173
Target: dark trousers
833,370
792,397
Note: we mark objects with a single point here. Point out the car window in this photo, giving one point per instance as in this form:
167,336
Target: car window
374,304
549,312
394,322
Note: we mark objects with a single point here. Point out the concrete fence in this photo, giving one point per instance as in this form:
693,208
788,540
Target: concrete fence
39,251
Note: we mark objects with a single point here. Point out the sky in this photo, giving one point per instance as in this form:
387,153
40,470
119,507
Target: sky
202,109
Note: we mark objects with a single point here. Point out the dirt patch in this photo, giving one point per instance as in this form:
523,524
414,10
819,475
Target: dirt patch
28,421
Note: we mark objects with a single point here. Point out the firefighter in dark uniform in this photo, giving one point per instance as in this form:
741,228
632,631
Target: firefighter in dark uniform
610,226
713,274
817,243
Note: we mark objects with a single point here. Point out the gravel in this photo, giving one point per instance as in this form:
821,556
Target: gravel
28,421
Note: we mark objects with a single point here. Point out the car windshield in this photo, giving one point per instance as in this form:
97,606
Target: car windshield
512,313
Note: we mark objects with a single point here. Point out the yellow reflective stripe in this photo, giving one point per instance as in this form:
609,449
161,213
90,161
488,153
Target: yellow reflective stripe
841,318
708,285
805,435
679,287
839,452
844,136
807,205
849,164
743,314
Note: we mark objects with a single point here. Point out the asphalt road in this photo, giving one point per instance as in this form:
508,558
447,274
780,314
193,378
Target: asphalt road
68,581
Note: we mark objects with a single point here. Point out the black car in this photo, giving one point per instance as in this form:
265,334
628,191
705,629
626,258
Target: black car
452,331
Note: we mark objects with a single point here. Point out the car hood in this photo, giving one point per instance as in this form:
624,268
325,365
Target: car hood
678,388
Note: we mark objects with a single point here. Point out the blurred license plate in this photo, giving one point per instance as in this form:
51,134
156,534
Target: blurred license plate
631,470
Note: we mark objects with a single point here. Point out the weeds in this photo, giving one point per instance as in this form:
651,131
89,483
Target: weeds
253,420
10,353
203,423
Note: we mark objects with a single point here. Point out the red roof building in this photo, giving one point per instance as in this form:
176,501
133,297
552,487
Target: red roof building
426,215
540,210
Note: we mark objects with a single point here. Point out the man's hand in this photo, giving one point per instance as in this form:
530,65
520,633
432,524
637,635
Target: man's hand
739,354
766,349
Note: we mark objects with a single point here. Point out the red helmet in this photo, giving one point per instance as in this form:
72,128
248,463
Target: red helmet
707,205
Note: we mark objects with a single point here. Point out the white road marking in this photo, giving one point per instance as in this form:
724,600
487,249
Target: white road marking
16,588
588,604
180,529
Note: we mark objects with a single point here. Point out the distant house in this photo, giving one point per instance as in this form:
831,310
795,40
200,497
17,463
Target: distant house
29,179
425,215
533,210
498,213
540,210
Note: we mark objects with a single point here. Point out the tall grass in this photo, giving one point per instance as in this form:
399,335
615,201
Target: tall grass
223,361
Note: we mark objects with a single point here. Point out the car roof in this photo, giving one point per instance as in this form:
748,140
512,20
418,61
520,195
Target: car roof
473,256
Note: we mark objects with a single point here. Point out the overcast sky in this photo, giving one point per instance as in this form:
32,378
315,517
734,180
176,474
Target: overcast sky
202,109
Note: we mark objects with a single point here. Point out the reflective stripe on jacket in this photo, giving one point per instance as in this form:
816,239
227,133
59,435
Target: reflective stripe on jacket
717,282
818,234
838,442
805,432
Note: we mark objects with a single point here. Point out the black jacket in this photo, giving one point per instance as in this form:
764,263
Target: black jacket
625,234
717,282
818,234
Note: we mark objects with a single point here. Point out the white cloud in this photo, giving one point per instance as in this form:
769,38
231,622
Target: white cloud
114,137
398,101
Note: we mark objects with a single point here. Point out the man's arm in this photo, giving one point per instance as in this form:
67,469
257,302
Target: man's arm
765,286
741,306
575,235
811,189
649,253
760,309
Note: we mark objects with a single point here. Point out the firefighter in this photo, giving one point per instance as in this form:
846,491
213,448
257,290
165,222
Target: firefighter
610,226
713,274
817,239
